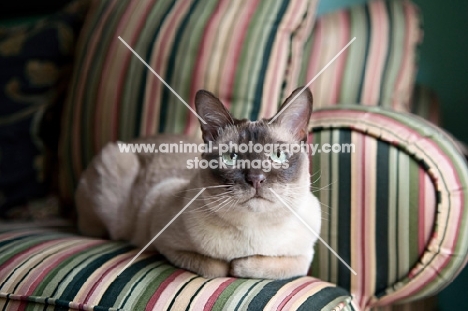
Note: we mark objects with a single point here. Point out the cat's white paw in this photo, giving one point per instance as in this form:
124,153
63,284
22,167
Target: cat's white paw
247,267
214,269
269,267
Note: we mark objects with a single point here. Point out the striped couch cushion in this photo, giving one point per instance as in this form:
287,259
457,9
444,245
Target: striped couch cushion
378,68
395,209
44,269
246,52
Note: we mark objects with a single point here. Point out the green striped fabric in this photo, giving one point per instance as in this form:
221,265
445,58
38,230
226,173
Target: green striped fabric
378,69
395,209
44,269
247,52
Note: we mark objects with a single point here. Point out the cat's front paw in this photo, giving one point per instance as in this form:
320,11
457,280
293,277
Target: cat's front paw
269,267
247,267
213,268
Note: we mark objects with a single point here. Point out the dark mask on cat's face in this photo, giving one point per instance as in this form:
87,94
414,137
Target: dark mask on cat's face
249,173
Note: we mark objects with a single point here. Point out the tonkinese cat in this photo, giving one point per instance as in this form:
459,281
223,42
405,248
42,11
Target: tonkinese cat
236,226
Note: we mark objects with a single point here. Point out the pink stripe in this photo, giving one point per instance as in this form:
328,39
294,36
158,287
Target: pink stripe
162,302
362,272
212,300
18,258
376,59
294,292
341,61
421,215
51,263
273,78
161,288
407,67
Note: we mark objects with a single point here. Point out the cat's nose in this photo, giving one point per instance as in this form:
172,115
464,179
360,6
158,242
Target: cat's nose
256,180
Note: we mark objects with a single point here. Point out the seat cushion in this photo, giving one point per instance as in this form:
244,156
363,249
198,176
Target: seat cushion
59,271
247,53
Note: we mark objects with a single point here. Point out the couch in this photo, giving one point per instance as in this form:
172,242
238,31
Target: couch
395,209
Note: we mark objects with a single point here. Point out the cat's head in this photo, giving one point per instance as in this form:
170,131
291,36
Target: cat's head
245,176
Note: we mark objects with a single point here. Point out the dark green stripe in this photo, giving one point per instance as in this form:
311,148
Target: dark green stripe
344,211
115,288
80,278
382,215
246,295
366,54
321,299
264,296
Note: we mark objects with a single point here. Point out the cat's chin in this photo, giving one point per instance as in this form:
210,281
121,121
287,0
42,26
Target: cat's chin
258,204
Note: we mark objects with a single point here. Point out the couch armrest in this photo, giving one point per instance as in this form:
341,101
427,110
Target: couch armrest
395,208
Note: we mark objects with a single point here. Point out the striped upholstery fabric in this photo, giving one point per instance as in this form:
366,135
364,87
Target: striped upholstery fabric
378,68
47,270
246,52
395,209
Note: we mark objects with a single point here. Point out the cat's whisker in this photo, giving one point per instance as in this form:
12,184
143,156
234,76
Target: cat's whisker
317,172
209,187
201,208
220,206
324,187
320,171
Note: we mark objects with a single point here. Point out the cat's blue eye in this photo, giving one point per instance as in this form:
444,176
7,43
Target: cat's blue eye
278,156
229,158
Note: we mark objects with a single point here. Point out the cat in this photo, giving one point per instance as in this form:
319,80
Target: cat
236,226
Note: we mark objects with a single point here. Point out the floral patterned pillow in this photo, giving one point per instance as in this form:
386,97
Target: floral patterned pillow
35,62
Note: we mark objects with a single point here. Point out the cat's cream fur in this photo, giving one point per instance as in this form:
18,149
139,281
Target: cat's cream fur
133,196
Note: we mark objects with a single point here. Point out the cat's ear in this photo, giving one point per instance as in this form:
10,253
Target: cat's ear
294,113
213,112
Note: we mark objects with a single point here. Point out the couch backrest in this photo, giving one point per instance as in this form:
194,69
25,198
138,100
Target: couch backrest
379,67
246,52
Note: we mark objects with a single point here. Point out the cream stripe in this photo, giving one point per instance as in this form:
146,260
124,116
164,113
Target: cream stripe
333,210
403,215
326,258
356,210
187,293
170,291
370,216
